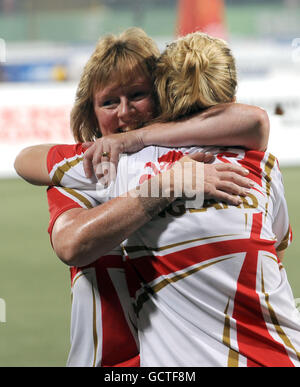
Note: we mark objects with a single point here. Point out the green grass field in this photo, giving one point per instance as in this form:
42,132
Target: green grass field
33,282
36,286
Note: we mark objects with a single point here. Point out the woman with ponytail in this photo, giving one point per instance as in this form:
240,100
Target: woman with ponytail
195,73
116,94
208,285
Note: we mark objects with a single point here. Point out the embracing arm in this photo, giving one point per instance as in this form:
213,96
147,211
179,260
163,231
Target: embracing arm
230,124
31,164
226,124
80,236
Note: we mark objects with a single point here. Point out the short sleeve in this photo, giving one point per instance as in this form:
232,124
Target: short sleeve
62,199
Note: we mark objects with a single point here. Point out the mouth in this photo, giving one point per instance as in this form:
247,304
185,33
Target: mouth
123,130
130,127
126,129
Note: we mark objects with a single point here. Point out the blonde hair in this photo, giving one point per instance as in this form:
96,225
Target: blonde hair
116,59
194,73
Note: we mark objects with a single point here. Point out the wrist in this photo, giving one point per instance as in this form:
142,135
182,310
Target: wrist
155,194
139,135
144,135
155,134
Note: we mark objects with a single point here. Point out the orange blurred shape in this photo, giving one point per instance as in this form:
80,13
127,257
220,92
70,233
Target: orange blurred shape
201,15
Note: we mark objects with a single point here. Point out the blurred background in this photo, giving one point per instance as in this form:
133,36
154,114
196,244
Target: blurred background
43,48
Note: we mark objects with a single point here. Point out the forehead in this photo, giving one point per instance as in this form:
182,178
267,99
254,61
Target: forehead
120,70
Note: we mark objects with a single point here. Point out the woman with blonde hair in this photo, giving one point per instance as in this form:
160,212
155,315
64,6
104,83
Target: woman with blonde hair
131,55
194,73
116,94
208,285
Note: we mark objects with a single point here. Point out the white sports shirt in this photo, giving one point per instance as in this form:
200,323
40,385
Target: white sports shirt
207,286
103,327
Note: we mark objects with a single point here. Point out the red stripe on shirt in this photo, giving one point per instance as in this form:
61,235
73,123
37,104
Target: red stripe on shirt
254,340
252,162
118,344
58,204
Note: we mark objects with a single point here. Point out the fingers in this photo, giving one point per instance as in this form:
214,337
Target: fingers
233,168
114,158
98,159
232,180
235,179
232,188
227,182
107,167
88,162
106,172
93,158
227,198
102,151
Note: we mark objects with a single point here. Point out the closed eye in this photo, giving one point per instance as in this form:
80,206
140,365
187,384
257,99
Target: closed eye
109,103
138,95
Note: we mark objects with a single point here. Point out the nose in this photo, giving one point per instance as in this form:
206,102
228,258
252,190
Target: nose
124,108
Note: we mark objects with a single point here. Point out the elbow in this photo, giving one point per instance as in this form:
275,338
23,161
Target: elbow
19,162
73,251
69,253
25,167
71,241
68,256
262,130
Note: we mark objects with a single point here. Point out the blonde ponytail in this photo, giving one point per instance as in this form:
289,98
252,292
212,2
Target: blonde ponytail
194,73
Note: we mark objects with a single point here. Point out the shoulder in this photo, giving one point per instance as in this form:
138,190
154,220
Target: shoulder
62,152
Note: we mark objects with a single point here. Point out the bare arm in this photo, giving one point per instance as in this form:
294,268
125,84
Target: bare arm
80,236
225,124
31,164
228,124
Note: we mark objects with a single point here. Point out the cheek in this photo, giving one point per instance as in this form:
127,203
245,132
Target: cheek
107,121
147,108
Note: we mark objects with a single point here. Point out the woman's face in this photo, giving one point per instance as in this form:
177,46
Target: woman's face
119,108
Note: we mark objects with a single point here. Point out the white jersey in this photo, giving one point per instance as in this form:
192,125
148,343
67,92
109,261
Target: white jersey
207,285
103,328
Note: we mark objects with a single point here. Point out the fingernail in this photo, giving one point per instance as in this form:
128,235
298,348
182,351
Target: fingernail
246,170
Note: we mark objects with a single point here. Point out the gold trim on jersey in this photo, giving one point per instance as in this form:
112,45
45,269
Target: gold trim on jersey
285,241
268,169
134,249
78,196
62,169
274,319
246,221
233,356
143,297
95,336
78,275
273,258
